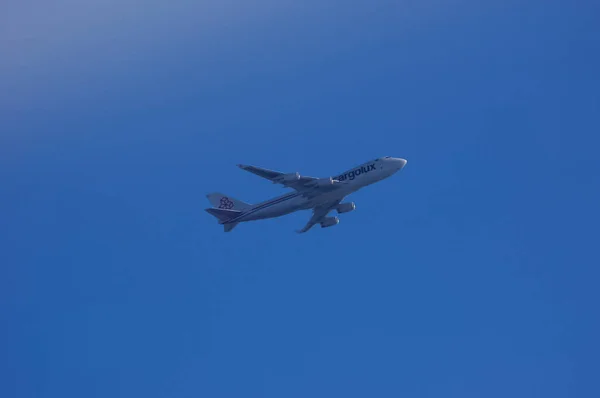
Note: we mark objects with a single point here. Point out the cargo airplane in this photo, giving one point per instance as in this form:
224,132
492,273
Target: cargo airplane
322,195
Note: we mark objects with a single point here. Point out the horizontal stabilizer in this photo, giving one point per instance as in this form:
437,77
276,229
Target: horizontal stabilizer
229,227
222,214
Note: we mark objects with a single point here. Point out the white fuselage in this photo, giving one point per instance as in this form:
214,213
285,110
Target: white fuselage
352,180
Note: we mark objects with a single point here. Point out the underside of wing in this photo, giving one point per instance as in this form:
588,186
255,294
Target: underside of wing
320,216
293,180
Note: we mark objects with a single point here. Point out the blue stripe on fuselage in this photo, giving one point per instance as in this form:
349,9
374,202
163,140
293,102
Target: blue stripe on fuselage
264,206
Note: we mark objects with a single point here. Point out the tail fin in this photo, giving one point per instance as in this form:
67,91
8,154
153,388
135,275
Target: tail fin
221,201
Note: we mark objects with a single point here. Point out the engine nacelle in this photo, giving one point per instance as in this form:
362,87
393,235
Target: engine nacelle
346,207
290,177
330,222
322,182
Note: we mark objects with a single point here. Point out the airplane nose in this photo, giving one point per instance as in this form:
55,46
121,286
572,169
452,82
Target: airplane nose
399,163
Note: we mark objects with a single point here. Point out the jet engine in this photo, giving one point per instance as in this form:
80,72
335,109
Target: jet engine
346,207
322,182
330,222
290,177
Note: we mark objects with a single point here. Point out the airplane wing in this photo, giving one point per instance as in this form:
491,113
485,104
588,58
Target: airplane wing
319,213
292,180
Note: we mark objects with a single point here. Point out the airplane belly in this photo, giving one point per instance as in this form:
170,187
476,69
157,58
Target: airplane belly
329,197
269,213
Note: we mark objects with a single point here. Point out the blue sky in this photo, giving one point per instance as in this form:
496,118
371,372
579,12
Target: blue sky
471,273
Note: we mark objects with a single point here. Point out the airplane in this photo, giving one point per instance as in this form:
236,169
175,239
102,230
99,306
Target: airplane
322,195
